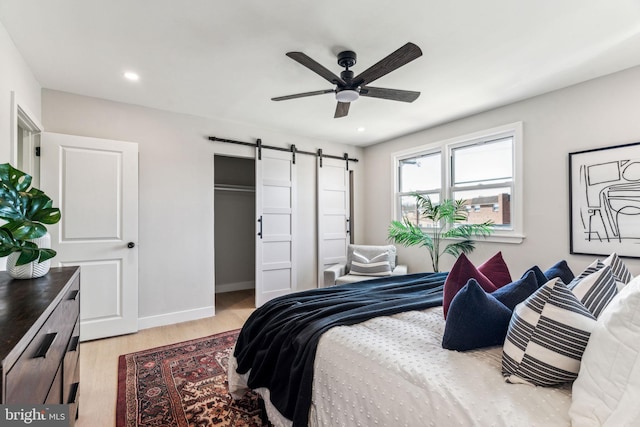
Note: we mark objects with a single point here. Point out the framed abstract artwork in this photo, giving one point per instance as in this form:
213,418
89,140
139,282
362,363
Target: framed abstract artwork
604,201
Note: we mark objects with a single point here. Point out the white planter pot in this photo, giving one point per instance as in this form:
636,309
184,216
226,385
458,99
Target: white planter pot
34,269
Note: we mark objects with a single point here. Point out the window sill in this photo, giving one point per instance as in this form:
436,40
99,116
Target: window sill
512,238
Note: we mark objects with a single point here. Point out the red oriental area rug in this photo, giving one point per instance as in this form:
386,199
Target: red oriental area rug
184,384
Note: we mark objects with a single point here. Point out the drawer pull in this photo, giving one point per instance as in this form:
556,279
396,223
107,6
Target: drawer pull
73,295
73,393
46,345
73,345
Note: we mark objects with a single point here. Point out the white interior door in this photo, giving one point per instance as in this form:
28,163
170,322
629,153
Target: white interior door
276,225
94,182
333,214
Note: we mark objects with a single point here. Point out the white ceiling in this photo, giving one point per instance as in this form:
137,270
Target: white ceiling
226,59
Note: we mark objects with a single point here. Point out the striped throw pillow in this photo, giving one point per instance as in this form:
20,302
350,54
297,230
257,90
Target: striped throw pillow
591,268
620,271
595,290
547,335
378,265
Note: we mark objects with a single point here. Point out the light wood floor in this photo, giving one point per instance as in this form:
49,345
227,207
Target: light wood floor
99,359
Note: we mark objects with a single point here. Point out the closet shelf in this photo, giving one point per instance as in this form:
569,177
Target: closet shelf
231,187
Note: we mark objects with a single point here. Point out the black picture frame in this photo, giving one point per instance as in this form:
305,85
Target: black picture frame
604,201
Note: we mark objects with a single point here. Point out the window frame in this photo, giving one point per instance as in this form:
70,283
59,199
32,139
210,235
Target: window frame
512,234
400,194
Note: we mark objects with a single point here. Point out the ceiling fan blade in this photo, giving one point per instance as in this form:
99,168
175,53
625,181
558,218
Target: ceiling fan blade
302,95
392,94
342,109
395,60
316,67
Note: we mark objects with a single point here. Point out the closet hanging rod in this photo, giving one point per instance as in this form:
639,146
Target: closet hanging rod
292,149
237,188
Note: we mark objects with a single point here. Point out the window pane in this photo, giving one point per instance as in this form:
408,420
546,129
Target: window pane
490,204
488,162
409,209
420,173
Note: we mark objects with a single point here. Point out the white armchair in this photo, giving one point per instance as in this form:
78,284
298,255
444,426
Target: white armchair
339,274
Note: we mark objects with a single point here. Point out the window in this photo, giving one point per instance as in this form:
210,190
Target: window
482,175
419,174
483,169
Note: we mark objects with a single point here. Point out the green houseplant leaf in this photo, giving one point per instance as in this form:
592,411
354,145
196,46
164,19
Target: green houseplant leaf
26,211
448,218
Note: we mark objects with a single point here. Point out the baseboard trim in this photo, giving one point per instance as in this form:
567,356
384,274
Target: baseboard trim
237,286
175,317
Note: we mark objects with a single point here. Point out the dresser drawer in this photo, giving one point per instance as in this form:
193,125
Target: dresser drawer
71,300
74,397
30,378
71,364
55,392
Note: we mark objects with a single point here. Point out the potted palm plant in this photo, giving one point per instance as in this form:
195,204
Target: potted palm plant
448,218
24,238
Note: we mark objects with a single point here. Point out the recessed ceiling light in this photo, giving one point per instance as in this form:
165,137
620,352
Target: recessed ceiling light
361,129
130,75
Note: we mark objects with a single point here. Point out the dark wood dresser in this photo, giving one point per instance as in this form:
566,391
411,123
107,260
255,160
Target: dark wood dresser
39,336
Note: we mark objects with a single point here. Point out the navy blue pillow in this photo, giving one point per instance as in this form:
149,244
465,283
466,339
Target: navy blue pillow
516,292
560,269
540,277
475,319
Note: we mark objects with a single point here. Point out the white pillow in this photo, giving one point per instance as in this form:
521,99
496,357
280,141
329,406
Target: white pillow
378,265
607,390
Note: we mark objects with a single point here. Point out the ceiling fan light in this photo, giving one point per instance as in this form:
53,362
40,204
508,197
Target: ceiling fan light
347,95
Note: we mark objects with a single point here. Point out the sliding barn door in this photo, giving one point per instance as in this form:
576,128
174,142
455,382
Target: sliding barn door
333,214
94,182
276,225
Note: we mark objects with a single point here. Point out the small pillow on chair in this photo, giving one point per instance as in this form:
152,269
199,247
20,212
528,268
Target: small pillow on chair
379,265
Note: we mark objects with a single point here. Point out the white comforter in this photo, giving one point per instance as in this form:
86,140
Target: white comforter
393,371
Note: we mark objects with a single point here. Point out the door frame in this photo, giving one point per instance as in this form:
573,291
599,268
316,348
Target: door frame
222,149
22,117
242,285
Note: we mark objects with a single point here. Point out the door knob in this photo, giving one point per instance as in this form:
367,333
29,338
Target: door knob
131,245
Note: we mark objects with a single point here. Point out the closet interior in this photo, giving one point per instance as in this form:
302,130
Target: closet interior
234,223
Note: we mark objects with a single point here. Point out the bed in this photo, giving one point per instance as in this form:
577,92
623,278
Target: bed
392,370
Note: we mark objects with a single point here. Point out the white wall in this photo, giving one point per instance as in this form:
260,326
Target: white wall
16,77
598,113
18,86
176,247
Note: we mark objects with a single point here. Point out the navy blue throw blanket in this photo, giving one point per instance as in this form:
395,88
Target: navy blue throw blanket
279,340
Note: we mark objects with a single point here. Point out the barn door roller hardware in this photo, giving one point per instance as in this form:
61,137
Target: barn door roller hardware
260,146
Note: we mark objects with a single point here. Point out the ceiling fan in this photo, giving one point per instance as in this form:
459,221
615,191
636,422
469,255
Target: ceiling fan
349,88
